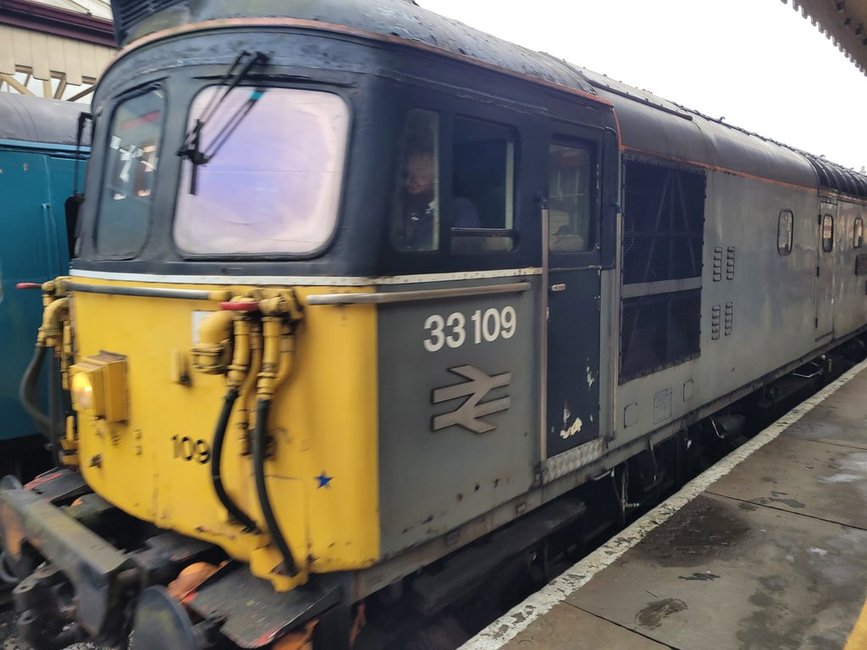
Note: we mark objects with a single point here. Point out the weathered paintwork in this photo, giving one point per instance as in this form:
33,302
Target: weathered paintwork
433,477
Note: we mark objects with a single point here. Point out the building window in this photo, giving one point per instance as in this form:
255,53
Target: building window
859,232
569,199
827,233
785,232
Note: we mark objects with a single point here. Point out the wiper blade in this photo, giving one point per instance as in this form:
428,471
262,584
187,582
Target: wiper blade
191,147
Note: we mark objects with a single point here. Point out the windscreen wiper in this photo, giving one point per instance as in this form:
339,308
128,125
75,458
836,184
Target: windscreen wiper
191,147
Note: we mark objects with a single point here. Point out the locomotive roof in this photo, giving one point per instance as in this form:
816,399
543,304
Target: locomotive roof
837,177
400,18
656,125
34,119
649,123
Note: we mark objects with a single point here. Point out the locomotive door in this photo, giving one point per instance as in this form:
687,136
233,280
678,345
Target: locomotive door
572,284
824,296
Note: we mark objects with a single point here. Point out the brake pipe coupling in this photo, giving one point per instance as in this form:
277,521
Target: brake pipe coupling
210,354
54,318
277,352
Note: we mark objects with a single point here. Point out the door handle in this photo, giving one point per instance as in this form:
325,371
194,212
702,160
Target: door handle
556,288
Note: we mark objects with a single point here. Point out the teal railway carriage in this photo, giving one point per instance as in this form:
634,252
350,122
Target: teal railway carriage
371,308
37,168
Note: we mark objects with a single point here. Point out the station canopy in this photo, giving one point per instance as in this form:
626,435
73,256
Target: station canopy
54,48
844,22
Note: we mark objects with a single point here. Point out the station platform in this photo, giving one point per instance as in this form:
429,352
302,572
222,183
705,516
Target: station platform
766,550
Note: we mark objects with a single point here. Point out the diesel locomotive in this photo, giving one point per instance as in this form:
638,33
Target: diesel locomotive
38,164
363,295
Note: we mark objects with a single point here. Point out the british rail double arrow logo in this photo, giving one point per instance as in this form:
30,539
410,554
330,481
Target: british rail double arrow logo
468,415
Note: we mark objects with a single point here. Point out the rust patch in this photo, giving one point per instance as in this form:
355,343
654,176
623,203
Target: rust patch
190,578
41,480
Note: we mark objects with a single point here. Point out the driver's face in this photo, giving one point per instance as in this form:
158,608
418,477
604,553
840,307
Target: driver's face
420,173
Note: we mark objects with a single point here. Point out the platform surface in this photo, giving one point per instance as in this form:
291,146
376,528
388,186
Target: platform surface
771,556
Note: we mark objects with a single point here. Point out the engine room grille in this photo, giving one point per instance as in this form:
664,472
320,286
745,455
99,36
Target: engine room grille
659,331
663,221
128,13
663,228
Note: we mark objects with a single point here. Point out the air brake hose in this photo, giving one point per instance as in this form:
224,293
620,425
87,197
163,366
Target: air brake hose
259,456
27,391
216,476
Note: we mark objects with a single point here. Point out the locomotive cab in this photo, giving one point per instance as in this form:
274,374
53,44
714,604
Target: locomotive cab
308,329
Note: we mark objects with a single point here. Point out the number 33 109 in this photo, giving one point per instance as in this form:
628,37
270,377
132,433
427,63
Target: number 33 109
482,326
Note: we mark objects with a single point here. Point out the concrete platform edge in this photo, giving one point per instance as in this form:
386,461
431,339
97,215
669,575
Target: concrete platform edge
513,622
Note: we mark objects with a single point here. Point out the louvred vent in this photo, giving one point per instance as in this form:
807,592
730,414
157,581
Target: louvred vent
128,13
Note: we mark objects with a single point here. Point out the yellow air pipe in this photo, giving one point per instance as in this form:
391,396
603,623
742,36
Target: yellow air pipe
209,354
248,393
53,317
239,366
272,333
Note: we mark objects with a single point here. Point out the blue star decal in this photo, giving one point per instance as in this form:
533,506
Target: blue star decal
324,480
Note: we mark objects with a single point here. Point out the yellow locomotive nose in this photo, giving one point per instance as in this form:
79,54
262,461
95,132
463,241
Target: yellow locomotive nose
99,386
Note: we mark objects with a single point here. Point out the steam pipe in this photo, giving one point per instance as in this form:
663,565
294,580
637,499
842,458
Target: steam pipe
236,377
216,476
259,457
27,390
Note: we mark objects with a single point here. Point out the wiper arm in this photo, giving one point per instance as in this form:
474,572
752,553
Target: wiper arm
191,146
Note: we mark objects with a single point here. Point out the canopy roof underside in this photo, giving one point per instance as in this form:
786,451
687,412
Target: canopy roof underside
844,22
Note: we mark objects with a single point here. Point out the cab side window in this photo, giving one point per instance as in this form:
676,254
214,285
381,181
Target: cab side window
474,210
483,187
569,199
415,222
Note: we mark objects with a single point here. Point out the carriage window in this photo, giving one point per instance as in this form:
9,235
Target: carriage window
827,233
415,221
569,199
785,232
130,172
274,179
482,216
859,232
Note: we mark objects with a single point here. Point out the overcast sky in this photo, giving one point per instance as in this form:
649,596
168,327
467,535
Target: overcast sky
758,63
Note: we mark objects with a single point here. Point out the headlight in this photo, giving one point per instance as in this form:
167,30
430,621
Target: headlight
99,386
82,391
